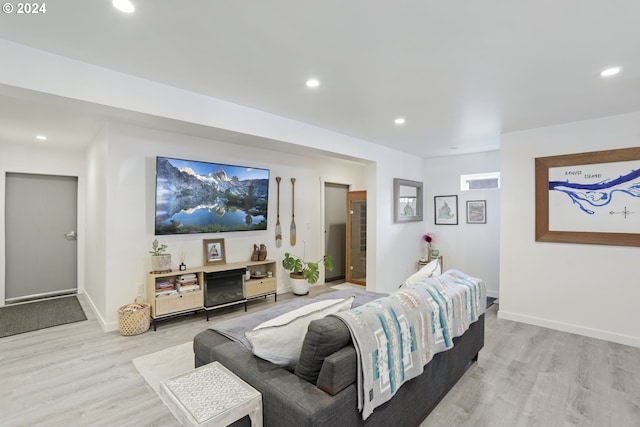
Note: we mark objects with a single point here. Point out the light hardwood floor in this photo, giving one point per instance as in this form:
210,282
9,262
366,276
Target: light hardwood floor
77,375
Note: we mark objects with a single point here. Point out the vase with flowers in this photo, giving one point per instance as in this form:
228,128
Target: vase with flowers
427,238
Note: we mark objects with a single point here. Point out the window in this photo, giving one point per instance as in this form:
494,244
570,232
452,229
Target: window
480,181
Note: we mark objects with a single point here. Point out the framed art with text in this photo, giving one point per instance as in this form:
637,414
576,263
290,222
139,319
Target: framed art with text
591,198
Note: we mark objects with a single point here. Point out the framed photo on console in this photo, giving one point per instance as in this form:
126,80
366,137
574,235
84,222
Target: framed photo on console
214,252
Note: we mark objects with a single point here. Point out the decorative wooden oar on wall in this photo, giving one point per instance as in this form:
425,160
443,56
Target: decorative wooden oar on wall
293,222
278,227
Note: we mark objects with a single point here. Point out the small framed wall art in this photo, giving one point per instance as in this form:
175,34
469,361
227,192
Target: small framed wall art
214,252
476,212
446,210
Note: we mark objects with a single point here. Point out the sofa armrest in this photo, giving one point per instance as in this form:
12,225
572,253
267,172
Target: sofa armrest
204,346
338,371
287,399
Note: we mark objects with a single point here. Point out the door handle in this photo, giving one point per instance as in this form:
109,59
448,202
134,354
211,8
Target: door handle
72,235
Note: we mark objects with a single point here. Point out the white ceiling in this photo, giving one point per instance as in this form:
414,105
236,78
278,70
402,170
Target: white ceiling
460,72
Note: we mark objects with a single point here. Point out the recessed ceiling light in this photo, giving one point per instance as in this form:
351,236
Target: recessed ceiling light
123,6
610,71
313,83
41,137
399,121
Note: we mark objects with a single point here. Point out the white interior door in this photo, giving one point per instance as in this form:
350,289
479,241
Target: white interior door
40,236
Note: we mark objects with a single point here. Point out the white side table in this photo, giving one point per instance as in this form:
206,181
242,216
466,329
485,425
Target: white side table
211,395
440,258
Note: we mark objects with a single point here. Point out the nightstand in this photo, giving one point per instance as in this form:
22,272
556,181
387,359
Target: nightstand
440,259
423,263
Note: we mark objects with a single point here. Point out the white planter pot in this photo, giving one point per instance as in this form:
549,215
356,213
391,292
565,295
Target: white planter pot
299,284
161,263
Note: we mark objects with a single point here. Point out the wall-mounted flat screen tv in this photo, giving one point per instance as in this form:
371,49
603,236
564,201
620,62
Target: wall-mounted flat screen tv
201,197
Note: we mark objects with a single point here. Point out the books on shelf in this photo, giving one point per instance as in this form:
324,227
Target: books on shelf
174,285
187,279
189,288
165,283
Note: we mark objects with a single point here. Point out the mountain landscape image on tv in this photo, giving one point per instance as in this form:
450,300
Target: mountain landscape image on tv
201,197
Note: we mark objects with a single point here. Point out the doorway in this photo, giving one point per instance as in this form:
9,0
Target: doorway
40,236
335,233
357,237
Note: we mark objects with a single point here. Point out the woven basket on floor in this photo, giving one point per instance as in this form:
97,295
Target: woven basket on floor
134,319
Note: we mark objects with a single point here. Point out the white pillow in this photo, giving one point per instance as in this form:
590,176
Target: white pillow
280,339
429,270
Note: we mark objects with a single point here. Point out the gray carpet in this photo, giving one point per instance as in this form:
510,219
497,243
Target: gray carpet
31,316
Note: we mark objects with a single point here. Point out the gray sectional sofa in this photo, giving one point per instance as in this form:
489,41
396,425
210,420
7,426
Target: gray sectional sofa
322,390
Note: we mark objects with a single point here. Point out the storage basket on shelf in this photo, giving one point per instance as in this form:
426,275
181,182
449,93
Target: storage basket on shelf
134,319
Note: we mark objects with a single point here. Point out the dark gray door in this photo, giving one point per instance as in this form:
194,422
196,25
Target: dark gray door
40,245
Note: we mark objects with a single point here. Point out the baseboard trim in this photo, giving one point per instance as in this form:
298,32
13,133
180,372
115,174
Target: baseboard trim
106,327
570,328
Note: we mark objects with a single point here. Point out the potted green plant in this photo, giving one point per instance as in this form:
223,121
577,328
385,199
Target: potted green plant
160,262
303,273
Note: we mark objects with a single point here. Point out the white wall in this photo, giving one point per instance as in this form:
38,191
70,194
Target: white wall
42,160
590,290
472,248
396,258
97,225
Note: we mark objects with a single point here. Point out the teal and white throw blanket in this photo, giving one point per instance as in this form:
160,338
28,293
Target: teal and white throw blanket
397,335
